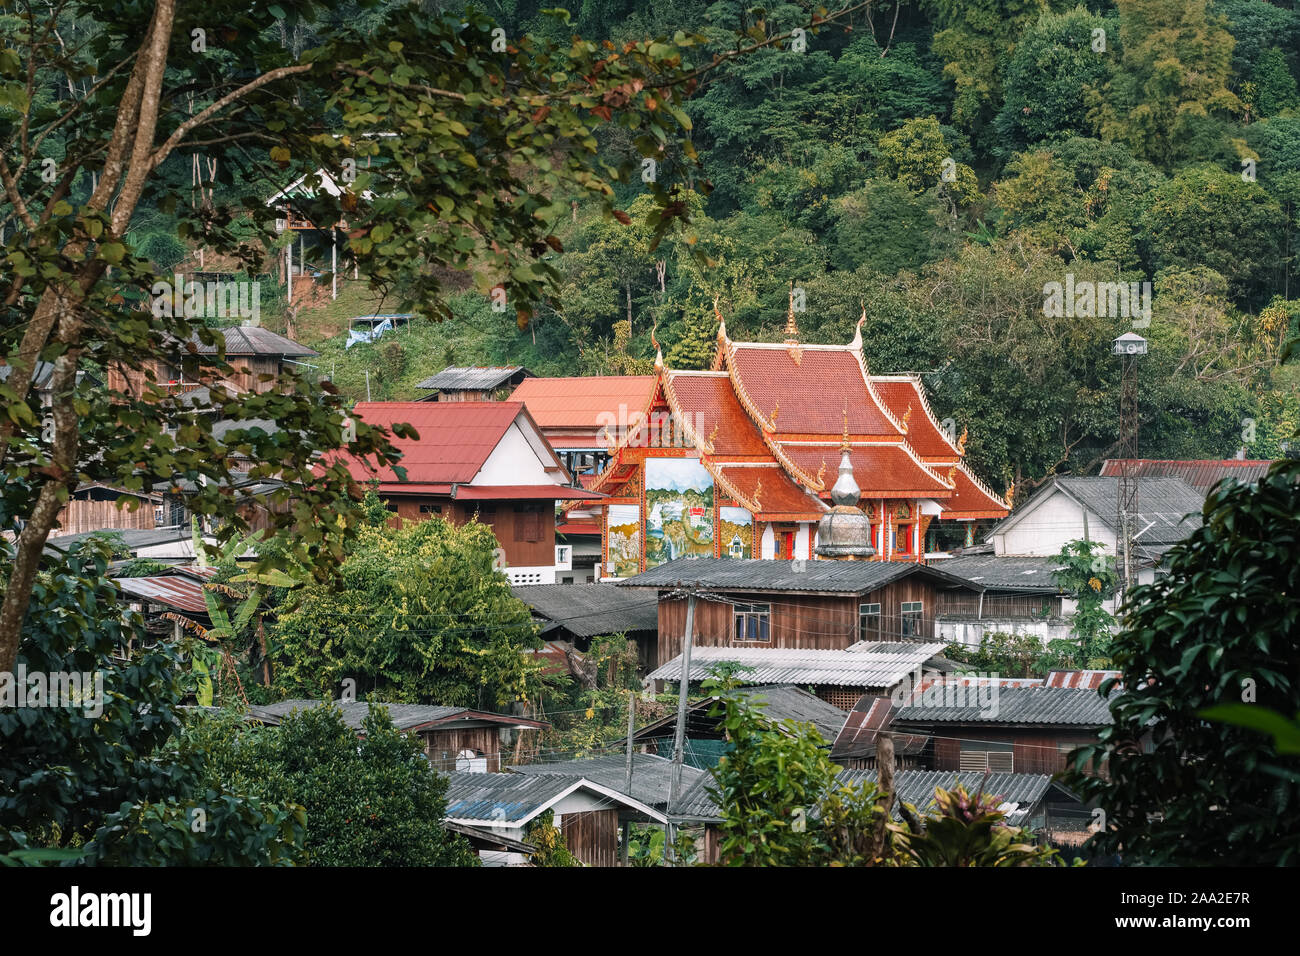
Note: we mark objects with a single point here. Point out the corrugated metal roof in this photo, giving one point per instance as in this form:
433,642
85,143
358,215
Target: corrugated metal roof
462,378
1042,705
883,668
455,440
503,799
1087,679
993,573
587,610
1170,506
651,774
175,591
781,702
1201,474
403,716
857,737
579,403
253,340
1022,791
756,574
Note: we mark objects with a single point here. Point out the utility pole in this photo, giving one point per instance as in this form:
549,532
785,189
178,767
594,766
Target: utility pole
679,737
367,385
1128,347
631,728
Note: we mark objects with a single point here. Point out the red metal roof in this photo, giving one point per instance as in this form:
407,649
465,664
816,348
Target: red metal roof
578,527
1089,680
455,439
576,404
1200,474
173,590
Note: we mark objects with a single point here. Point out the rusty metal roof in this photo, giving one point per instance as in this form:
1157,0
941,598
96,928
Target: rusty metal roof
1201,474
883,666
456,378
174,590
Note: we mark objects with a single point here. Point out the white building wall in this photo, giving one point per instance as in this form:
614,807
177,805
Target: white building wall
1046,529
513,462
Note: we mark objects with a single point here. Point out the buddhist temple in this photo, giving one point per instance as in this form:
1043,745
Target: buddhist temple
741,460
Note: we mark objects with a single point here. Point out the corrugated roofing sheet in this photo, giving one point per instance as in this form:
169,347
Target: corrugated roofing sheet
501,797
1042,705
841,668
756,574
579,403
403,716
1023,791
1170,507
588,610
994,573
254,340
471,378
1087,679
1199,474
175,591
651,774
455,440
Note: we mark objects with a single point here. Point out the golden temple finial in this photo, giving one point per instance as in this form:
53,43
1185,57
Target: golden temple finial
844,444
775,412
961,442
758,490
713,434
1011,492
821,474
791,327
906,415
952,474
722,323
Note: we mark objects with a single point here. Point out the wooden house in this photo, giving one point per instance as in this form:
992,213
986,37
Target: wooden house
589,814
454,738
573,614
825,605
978,726
484,460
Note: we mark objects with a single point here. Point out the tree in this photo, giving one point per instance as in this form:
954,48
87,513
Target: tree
376,801
966,830
1056,62
467,147
698,343
1173,72
420,615
114,787
1222,627
918,156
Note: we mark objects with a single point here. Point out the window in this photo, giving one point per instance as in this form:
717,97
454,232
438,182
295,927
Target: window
912,613
903,539
868,622
528,523
430,509
753,622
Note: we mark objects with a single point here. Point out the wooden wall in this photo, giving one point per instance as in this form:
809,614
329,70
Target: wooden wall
485,741
823,622
81,515
513,523
592,836
1033,750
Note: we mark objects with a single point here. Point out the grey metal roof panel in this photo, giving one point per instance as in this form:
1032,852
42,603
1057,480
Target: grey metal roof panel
756,574
403,716
883,667
651,774
503,797
471,378
253,340
133,538
1007,573
588,610
1169,505
1041,705
1201,474
785,702
916,787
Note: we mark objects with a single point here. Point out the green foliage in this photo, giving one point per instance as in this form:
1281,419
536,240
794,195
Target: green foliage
1220,629
1010,655
419,616
543,834
114,787
376,801
966,830
1090,577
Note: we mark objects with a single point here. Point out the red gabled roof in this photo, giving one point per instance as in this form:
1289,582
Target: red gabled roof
765,490
455,440
881,470
578,403
905,398
772,380
708,404
520,492
972,498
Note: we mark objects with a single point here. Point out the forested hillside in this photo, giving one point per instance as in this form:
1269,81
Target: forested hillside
937,164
